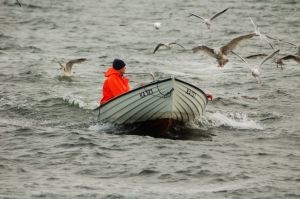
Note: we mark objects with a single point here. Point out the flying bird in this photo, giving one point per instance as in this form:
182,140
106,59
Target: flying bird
208,21
167,45
255,70
68,67
221,53
262,36
293,57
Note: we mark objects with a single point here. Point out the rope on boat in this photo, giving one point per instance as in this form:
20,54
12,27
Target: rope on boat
161,94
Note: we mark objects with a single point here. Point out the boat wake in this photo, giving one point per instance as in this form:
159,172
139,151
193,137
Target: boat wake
176,133
236,120
200,130
103,127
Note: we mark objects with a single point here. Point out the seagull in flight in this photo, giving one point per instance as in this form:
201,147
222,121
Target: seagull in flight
255,70
167,45
221,53
68,66
293,57
208,21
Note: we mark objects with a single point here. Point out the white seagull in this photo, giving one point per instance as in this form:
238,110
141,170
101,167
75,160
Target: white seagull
255,70
167,45
208,21
221,53
68,66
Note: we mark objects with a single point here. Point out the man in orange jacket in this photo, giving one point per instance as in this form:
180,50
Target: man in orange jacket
115,83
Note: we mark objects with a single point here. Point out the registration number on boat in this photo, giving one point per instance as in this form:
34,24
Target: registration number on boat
190,92
146,93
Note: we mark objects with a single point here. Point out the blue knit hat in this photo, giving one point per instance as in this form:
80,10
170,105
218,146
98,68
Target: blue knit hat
118,64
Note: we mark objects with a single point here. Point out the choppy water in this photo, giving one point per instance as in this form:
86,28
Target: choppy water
246,146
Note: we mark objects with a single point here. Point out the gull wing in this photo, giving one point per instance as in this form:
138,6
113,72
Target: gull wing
256,30
256,77
239,57
175,43
158,46
293,44
218,14
235,42
197,16
289,43
262,36
62,66
205,49
266,39
294,57
256,55
74,61
276,39
269,57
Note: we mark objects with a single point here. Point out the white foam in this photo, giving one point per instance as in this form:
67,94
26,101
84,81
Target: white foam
101,127
231,120
75,101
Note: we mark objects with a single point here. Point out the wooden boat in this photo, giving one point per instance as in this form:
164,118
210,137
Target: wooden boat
158,106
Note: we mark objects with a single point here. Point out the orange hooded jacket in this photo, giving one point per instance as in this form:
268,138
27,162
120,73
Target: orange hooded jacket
114,85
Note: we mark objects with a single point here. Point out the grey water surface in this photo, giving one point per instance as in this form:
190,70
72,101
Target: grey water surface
51,146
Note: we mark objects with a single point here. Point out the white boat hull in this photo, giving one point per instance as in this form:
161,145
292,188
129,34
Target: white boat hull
170,99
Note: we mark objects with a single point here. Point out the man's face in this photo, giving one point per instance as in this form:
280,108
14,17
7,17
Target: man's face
122,70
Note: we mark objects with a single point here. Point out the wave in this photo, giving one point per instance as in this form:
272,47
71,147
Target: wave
280,93
3,36
24,4
12,46
110,128
230,120
101,126
242,101
270,116
74,101
11,104
69,100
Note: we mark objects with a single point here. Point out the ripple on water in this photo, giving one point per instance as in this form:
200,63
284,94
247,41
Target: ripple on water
148,172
